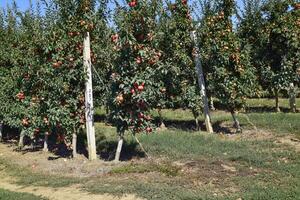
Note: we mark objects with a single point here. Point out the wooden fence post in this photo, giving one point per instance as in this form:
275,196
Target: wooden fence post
1,129
89,105
201,82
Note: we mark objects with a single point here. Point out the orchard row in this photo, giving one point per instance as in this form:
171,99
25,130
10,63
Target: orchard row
143,58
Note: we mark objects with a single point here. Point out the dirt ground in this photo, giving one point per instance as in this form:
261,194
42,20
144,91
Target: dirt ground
63,193
48,163
199,173
259,134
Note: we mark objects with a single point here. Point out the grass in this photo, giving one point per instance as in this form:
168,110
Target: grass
281,123
163,168
27,177
263,169
270,103
276,177
8,195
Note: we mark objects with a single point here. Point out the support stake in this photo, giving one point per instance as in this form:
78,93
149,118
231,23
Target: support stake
201,82
1,129
89,105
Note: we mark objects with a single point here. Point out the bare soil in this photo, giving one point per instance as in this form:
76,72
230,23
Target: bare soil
63,193
259,134
47,162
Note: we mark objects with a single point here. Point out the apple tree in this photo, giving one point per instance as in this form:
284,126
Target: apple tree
135,85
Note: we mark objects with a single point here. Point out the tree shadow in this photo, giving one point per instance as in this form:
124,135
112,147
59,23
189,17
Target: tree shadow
100,118
130,150
263,109
185,125
59,150
190,126
219,127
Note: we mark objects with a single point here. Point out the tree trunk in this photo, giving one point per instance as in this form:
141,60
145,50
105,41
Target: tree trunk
141,146
119,148
74,145
1,130
196,121
45,149
292,97
107,114
211,103
277,101
236,122
197,124
161,122
21,140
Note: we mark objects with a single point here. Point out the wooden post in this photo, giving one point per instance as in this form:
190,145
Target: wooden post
292,97
21,140
45,149
89,105
277,100
119,148
74,144
201,82
1,129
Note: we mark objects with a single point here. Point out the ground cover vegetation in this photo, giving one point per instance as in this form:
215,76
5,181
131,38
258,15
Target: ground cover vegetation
148,101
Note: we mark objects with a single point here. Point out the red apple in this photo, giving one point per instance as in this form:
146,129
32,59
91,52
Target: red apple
120,99
138,60
147,117
140,88
36,131
25,122
21,96
149,129
46,120
82,22
115,38
132,3
163,90
140,115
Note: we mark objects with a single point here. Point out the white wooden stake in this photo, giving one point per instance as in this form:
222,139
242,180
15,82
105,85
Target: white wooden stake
119,148
1,129
89,105
201,82
45,149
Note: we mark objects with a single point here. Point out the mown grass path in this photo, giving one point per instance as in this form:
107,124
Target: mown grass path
71,192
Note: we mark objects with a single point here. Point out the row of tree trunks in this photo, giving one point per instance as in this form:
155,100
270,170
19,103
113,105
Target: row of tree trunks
46,142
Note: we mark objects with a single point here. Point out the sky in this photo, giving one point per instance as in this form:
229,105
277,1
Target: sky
24,4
